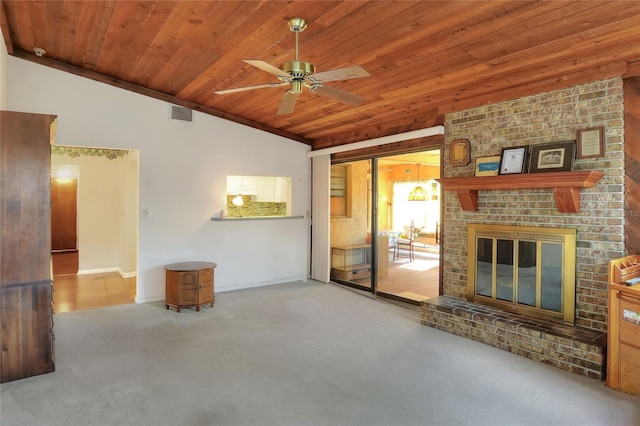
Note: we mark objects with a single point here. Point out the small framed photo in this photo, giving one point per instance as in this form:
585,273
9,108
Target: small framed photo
488,166
591,142
552,157
459,152
513,160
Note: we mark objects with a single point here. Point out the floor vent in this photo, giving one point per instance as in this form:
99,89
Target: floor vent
181,113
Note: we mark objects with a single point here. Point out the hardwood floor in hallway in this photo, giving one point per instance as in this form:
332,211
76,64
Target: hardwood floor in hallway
82,292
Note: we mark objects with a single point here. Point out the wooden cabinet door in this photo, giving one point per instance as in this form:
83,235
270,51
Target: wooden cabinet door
28,339
629,345
187,285
205,290
25,201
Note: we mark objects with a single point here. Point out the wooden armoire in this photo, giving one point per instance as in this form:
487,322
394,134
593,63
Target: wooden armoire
26,310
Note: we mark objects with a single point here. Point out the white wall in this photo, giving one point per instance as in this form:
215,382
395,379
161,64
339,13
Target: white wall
4,57
182,175
128,216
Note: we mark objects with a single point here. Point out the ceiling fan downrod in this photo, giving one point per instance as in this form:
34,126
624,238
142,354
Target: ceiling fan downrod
297,25
296,68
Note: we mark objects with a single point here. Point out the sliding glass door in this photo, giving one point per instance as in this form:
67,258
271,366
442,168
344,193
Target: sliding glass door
351,209
385,225
409,218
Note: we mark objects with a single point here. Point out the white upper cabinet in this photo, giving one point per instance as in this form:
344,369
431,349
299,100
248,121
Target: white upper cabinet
245,185
264,188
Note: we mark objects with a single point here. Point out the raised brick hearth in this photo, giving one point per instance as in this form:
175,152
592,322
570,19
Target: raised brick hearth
572,348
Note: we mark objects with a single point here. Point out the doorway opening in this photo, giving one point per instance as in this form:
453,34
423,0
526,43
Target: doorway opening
94,227
396,199
64,228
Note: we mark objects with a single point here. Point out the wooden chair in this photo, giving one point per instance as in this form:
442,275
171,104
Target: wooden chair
404,246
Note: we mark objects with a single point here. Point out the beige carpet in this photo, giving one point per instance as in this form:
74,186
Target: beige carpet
293,354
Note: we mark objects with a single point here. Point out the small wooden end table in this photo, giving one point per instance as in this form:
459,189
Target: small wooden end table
189,284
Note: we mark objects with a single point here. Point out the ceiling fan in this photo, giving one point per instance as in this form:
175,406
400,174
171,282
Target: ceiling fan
298,73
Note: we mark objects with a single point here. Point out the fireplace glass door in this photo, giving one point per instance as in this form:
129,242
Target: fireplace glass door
504,268
551,277
527,270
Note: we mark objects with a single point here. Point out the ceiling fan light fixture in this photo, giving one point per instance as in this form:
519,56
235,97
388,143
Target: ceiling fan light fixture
296,87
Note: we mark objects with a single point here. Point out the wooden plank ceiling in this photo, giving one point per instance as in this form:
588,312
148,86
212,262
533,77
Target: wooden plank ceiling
425,58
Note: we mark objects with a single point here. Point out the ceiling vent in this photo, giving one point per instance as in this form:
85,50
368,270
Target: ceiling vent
181,113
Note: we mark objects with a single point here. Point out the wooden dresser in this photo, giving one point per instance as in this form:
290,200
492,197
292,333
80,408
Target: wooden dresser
189,284
26,309
623,345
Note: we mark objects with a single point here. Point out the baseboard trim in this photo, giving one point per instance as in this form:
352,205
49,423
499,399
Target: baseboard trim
105,270
124,274
232,287
96,271
140,300
222,289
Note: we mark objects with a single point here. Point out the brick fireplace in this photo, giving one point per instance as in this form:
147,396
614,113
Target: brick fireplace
521,298
598,223
575,349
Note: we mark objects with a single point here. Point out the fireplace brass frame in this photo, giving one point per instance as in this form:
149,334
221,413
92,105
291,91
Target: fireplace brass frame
563,236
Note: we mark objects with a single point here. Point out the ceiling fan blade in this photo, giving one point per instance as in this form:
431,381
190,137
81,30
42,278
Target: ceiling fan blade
265,66
341,74
288,102
242,89
339,95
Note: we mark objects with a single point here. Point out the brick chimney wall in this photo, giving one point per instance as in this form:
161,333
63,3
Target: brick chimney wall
549,117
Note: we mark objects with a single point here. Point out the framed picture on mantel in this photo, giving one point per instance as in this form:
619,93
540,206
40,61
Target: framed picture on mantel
488,166
459,152
552,157
513,160
591,142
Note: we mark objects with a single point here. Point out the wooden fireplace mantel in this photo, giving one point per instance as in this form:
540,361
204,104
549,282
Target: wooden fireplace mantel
566,186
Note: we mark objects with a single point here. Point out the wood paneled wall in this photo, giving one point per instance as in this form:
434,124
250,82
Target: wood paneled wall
632,164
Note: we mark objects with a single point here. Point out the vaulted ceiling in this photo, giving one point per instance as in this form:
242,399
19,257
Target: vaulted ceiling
425,58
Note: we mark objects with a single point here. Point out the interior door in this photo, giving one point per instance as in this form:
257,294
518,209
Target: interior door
64,214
